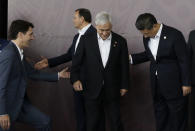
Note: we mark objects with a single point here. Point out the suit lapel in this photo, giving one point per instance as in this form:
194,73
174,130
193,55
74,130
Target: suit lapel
162,40
112,45
74,43
18,56
15,50
146,41
97,49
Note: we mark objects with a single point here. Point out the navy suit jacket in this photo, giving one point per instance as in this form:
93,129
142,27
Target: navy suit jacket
171,64
3,43
68,55
14,74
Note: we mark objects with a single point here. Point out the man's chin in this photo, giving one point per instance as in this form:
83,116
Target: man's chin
104,38
75,26
27,45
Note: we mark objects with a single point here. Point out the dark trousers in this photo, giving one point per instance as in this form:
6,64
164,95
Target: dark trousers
32,116
80,111
97,109
191,125
170,114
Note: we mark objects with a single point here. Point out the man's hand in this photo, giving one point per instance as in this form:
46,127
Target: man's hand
78,86
186,90
5,122
41,64
64,73
123,91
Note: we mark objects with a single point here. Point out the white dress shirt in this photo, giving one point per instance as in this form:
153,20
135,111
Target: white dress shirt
81,32
104,46
154,42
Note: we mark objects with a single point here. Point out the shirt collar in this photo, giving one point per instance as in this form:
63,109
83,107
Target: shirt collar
84,29
20,50
159,31
109,38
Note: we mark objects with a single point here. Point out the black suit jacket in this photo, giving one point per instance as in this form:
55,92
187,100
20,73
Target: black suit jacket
191,44
88,68
67,57
171,64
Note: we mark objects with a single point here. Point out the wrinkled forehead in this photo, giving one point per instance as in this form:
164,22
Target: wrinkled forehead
104,26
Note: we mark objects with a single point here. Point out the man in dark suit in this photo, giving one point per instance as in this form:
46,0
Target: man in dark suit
165,48
82,21
100,69
191,45
14,70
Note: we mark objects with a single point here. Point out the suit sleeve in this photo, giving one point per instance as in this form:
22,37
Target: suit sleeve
124,66
180,48
190,42
39,75
139,58
6,61
61,59
77,61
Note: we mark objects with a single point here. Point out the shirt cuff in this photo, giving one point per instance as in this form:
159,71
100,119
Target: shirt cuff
3,114
130,59
58,75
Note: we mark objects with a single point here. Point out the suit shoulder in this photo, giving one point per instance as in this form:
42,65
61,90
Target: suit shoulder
118,37
8,52
92,29
91,35
191,37
192,33
173,30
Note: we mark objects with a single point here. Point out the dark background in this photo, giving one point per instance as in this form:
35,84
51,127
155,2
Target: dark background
54,32
3,19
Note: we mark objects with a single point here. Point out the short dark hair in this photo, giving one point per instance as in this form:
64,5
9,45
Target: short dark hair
85,13
18,26
145,21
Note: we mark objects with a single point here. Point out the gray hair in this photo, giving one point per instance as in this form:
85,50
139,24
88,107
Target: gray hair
102,18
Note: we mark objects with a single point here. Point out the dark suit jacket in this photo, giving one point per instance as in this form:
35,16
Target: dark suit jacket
171,64
88,68
67,57
14,74
191,44
3,43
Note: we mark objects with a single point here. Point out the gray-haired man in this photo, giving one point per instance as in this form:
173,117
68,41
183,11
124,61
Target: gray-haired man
100,68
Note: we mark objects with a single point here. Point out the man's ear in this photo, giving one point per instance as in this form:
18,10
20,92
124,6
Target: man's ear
19,35
111,26
82,19
155,25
